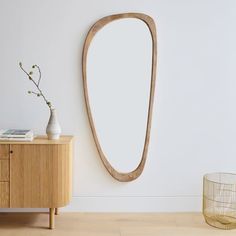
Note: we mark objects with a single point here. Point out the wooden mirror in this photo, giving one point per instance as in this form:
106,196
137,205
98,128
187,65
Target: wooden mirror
119,73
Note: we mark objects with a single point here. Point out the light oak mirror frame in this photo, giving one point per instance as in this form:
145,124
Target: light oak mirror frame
120,176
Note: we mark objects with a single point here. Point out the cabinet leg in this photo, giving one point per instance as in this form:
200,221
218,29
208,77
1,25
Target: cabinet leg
51,218
56,211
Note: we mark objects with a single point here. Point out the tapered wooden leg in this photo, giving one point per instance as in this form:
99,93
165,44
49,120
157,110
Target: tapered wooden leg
51,218
56,211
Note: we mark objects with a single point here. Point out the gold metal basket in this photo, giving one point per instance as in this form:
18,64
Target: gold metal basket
219,200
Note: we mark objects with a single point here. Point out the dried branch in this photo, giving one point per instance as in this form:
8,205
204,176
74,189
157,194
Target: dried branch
40,93
39,73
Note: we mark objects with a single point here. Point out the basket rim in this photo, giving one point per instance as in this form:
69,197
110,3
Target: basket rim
224,173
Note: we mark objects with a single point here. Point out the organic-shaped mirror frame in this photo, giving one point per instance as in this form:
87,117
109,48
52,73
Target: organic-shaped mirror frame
120,176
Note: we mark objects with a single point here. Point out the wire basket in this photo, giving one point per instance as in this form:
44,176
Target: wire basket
219,200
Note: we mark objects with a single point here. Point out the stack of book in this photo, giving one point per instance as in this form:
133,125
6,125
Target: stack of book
16,135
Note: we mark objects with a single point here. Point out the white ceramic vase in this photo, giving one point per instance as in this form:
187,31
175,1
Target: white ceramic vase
53,128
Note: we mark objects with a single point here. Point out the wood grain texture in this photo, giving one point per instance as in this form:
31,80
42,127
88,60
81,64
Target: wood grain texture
123,177
4,170
40,175
4,147
4,195
109,224
4,151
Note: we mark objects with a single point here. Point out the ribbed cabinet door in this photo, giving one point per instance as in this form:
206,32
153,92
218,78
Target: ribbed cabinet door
4,176
40,175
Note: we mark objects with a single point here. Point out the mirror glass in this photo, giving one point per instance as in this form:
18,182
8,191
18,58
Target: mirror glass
119,63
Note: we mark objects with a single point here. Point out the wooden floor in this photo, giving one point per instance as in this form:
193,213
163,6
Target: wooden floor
108,224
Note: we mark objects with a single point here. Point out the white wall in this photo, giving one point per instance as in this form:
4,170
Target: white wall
194,122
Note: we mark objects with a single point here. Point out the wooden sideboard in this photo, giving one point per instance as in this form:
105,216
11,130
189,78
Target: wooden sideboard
36,174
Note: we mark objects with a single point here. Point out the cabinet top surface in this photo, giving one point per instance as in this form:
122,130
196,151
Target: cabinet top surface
64,139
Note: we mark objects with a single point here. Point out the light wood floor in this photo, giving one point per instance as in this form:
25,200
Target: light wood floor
108,224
